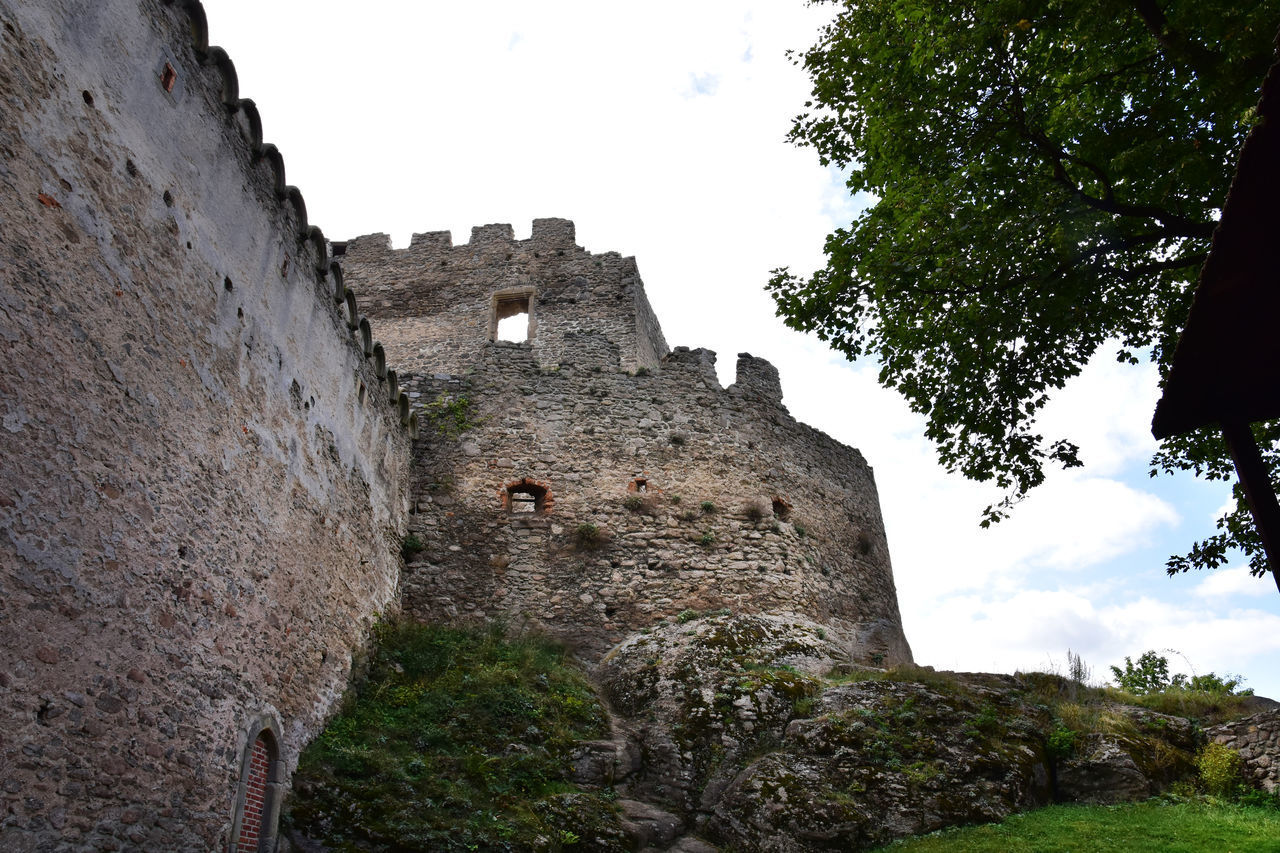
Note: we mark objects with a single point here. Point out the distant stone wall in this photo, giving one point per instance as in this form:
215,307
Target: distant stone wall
660,492
1257,739
202,480
436,303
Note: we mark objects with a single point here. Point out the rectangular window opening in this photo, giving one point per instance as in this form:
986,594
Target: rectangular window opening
511,318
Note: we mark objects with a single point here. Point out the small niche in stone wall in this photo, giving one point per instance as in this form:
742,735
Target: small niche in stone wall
168,77
527,497
639,485
781,508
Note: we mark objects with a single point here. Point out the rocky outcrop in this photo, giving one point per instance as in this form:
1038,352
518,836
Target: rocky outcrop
753,733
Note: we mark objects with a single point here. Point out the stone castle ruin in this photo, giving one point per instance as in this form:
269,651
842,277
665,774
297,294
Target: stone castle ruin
603,481
232,446
210,464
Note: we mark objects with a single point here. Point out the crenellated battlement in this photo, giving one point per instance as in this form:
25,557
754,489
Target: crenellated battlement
547,235
438,304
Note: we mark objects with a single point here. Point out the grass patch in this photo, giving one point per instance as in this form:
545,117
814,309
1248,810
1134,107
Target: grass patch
907,673
457,740
1150,827
1206,707
1076,702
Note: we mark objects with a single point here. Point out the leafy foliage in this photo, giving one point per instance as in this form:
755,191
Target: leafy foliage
588,536
1219,767
1045,178
1061,742
1151,675
457,740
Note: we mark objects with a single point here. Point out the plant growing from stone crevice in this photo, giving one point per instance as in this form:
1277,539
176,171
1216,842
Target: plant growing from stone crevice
757,510
589,537
450,416
411,546
1060,743
646,503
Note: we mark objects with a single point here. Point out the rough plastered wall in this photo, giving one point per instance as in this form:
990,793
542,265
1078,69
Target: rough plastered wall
653,490
202,480
436,303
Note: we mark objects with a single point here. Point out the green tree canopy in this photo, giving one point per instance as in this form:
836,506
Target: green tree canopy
1046,178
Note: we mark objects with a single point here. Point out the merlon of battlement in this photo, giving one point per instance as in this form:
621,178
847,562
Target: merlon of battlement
757,378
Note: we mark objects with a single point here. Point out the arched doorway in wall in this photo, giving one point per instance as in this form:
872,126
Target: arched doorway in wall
257,806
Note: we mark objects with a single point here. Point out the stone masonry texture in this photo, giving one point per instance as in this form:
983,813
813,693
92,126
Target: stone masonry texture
202,480
1257,739
212,461
661,491
209,467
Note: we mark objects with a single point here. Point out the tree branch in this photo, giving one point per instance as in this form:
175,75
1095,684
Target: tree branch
1181,226
1176,45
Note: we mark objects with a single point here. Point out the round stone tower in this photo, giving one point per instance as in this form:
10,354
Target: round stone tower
586,480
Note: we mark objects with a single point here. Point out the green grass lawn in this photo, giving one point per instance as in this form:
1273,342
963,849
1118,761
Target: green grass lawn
1150,827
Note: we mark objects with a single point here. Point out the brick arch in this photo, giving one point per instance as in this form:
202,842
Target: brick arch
262,776
539,489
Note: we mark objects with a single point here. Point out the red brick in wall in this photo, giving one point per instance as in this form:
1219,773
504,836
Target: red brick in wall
255,797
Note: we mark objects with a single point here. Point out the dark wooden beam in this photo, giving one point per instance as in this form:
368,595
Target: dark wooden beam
1258,490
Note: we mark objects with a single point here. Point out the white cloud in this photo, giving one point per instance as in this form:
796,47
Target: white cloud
416,117
1235,582
1032,630
1107,411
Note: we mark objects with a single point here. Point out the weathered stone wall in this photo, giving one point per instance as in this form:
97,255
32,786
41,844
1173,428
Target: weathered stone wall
435,302
202,482
664,493
622,444
1257,739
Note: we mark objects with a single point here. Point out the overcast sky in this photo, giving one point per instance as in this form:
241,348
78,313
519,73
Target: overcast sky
659,129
